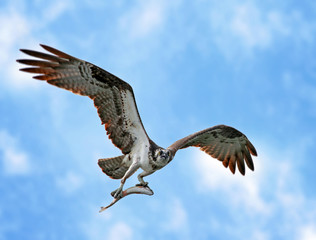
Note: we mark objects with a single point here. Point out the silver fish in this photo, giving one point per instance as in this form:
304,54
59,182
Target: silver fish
132,190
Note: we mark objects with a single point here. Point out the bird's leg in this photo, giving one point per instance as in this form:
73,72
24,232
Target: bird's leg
132,169
141,180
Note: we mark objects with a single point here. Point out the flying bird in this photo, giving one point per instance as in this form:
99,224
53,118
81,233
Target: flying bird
117,109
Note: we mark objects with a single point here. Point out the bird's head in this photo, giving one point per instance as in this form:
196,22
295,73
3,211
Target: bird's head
163,156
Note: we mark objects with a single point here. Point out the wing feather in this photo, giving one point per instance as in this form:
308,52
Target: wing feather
223,143
223,152
43,70
44,56
232,163
240,162
38,63
113,98
248,159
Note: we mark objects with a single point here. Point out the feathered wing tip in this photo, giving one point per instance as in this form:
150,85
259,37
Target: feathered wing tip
109,93
235,154
46,66
224,143
57,57
57,52
251,148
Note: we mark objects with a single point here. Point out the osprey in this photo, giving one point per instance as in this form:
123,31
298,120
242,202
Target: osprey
117,109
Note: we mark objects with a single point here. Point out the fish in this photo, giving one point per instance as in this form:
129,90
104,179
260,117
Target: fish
132,190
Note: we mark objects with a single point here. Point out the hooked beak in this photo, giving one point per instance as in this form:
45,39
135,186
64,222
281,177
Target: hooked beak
165,156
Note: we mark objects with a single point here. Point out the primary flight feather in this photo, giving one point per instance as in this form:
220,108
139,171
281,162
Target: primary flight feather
117,109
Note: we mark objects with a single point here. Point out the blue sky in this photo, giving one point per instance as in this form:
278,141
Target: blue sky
248,64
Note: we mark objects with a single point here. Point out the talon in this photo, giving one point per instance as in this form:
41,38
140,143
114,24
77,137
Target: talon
113,193
143,184
117,193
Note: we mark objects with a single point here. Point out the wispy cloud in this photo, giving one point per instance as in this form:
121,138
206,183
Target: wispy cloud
307,232
15,161
275,176
17,31
239,29
249,26
106,226
177,219
55,9
69,183
143,19
120,231
244,190
301,93
15,28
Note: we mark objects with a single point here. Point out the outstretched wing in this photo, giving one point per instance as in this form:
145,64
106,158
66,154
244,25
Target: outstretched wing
223,143
113,98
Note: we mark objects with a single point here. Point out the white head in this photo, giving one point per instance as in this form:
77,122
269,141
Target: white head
163,156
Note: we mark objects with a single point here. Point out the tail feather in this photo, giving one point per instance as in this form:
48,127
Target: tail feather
113,167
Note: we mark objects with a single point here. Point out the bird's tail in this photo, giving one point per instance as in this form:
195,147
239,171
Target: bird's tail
113,167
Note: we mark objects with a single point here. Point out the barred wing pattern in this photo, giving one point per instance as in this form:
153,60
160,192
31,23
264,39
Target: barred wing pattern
223,143
113,98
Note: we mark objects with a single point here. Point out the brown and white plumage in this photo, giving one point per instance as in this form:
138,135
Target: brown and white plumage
113,97
116,107
223,143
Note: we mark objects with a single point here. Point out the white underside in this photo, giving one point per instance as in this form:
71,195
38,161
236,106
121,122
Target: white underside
139,153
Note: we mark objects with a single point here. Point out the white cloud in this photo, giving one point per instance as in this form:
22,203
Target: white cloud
54,10
239,29
243,189
273,191
102,226
69,183
146,17
95,226
307,232
17,30
249,26
259,235
178,220
120,231
14,160
303,93
13,27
